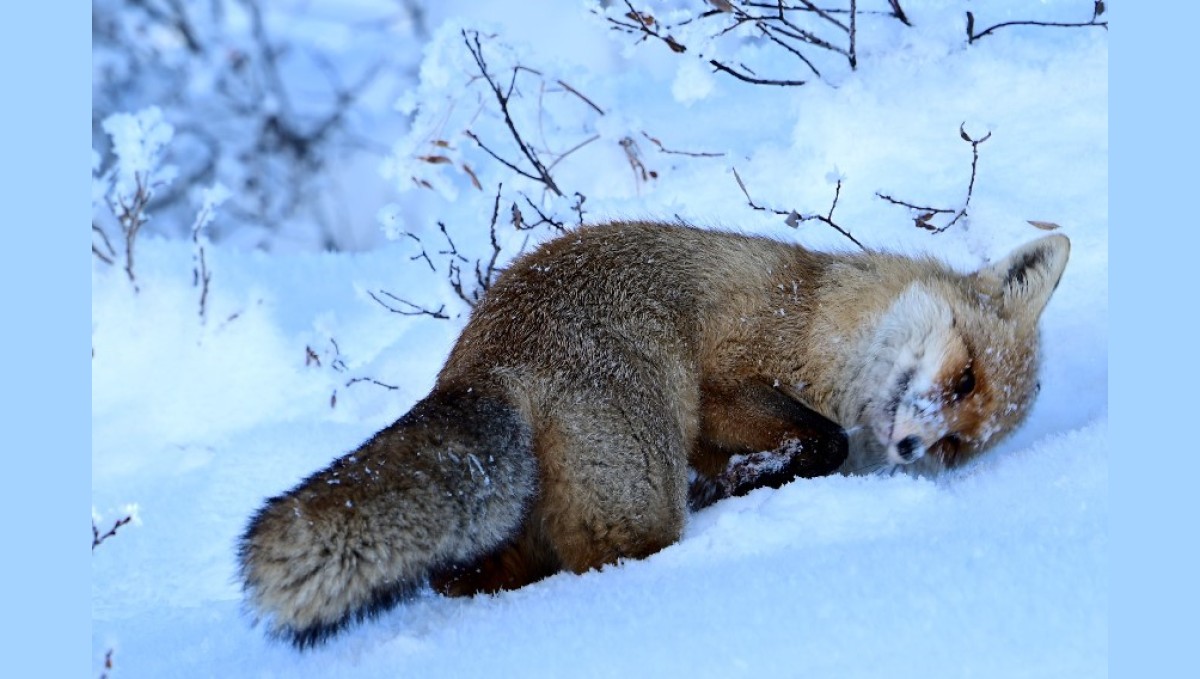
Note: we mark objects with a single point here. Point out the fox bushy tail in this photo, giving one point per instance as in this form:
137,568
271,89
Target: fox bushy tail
445,484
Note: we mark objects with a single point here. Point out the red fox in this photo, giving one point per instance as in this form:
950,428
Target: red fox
620,368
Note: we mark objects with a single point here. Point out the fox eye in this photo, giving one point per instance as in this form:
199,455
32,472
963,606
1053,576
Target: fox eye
965,384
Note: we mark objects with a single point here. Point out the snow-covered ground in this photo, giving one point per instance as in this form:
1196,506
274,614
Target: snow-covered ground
998,570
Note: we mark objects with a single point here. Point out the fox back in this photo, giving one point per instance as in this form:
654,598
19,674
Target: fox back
621,373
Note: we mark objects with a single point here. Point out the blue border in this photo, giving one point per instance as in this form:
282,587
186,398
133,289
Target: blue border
44,58
44,345
1154,458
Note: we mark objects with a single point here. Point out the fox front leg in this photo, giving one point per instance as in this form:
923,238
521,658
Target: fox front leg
752,435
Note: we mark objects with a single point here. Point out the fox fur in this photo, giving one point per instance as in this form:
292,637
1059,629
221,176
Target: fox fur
620,367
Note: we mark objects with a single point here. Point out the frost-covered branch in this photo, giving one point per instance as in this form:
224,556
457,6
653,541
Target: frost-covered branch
139,144
242,82
211,198
130,212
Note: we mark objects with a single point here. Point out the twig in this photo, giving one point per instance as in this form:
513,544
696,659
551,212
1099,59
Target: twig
484,277
201,276
372,380
540,172
853,55
793,218
456,284
576,92
751,79
507,163
633,155
770,35
338,363
131,217
100,255
643,24
896,201
826,13
108,664
925,213
898,12
98,538
577,208
694,154
112,254
573,149
423,255
1097,10
453,251
413,309
519,223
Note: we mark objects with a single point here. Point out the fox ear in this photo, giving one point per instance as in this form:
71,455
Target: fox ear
1023,281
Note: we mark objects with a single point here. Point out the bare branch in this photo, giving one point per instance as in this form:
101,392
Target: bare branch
412,310
644,24
793,218
898,12
519,223
453,251
108,664
922,220
540,173
751,79
132,217
485,277
338,363
853,54
422,254
576,92
201,276
371,380
693,154
98,537
573,149
1097,10
634,156
111,254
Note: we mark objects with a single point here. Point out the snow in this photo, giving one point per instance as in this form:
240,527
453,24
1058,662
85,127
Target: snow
997,570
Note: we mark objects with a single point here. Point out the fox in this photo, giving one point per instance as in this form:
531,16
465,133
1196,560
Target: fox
624,374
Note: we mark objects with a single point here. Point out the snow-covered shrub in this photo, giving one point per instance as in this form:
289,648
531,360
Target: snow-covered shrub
287,103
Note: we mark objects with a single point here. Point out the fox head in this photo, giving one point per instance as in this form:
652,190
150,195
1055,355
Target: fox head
954,359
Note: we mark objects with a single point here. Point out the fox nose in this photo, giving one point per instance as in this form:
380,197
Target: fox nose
907,448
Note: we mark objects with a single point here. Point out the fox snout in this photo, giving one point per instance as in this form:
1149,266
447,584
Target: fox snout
907,449
909,442
915,425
